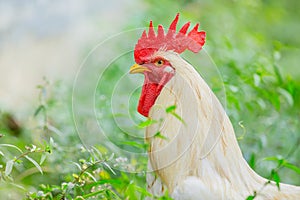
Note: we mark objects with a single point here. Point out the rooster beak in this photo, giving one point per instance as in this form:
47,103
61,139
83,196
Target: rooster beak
138,69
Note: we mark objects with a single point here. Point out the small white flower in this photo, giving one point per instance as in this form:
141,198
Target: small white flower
121,159
40,194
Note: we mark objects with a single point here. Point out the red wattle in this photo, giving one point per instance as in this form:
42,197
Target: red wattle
148,96
150,92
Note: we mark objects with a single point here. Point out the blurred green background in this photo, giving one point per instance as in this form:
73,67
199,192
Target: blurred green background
64,89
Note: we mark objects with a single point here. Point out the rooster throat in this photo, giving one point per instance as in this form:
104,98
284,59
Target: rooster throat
150,92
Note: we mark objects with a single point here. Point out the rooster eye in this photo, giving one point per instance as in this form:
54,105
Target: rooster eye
159,63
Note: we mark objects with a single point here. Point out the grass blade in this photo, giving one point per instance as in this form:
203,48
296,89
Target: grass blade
34,163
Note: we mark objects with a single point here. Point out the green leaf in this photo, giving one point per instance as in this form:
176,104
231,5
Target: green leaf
48,149
93,194
54,130
279,160
9,166
18,161
112,195
51,145
273,158
111,157
252,161
257,80
108,181
18,186
276,178
115,182
171,109
34,163
13,146
178,117
77,165
287,96
159,135
38,110
91,176
146,123
79,198
292,167
142,191
99,154
278,74
250,197
107,165
275,100
43,158
135,144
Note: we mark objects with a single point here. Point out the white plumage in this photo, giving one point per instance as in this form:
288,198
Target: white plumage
200,159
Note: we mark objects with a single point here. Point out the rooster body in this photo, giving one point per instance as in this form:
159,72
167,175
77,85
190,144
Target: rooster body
202,159
197,155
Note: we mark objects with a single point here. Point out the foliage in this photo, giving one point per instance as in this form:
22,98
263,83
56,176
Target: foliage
258,81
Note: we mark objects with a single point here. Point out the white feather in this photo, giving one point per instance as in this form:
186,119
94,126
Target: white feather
193,188
200,159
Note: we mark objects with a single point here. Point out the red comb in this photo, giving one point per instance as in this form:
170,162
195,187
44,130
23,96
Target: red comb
177,42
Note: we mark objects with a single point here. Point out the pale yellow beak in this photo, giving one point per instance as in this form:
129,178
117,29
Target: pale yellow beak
138,69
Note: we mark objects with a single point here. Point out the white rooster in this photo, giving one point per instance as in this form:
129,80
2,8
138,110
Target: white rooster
193,152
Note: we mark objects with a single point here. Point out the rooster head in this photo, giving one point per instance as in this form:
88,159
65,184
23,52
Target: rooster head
158,71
